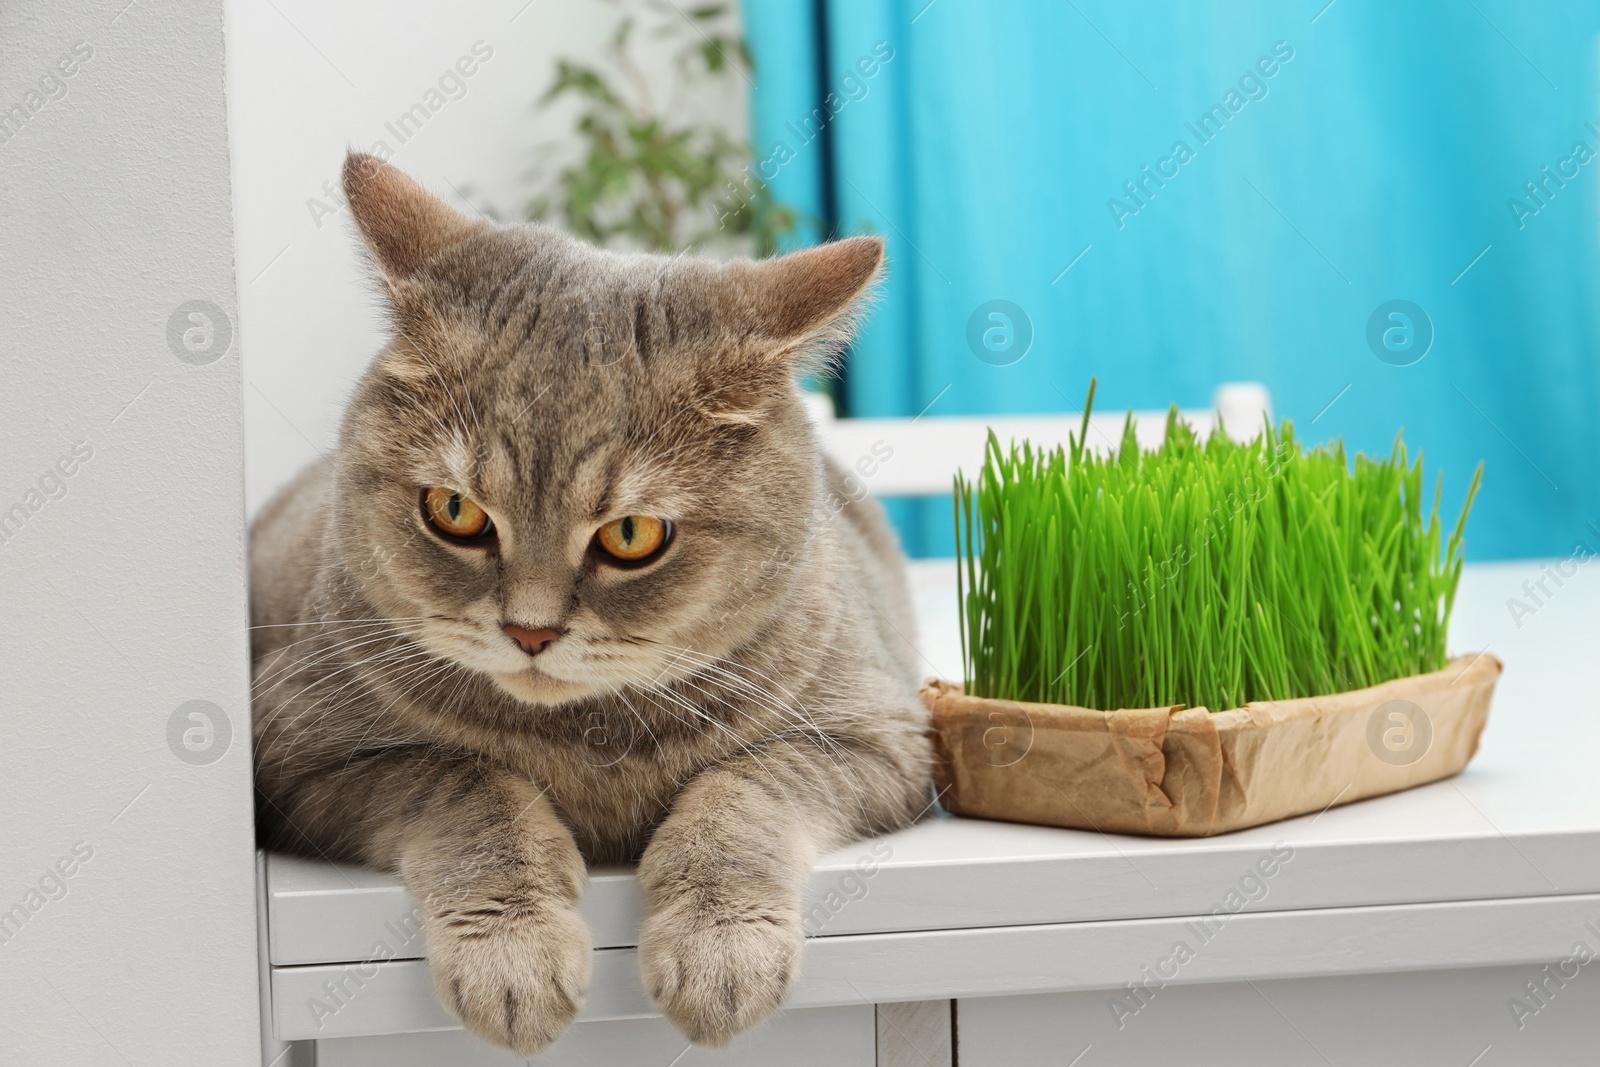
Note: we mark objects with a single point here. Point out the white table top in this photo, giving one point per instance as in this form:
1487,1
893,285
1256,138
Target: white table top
1500,865
1523,821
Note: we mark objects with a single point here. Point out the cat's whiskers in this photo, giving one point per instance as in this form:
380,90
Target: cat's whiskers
445,430
764,696
477,427
415,677
322,648
654,740
715,663
377,672
332,640
385,661
339,650
394,654
321,655
449,392
742,745
805,726
824,744
754,748
820,740
343,622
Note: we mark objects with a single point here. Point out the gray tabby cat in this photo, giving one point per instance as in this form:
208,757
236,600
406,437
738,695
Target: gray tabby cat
579,586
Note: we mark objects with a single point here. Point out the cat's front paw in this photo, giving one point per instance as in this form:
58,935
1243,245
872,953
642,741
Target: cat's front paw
513,973
717,970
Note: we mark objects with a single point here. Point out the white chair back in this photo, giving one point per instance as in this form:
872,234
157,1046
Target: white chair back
919,456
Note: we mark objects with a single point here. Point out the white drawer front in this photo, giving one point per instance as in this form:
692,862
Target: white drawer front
1459,1017
837,1037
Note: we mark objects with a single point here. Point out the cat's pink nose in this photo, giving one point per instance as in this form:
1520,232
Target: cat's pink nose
532,641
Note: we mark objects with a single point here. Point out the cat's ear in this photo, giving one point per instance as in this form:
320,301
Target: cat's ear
814,292
402,223
794,313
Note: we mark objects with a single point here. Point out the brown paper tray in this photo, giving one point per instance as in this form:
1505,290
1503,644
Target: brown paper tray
1186,772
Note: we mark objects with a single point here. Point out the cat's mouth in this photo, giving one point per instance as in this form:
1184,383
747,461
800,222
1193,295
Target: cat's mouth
537,687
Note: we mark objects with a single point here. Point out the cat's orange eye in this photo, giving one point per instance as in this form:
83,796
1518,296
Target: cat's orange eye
454,514
633,538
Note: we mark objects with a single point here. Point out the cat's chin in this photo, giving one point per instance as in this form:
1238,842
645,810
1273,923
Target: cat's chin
536,687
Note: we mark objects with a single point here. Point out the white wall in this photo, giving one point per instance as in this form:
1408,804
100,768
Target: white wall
127,913
306,80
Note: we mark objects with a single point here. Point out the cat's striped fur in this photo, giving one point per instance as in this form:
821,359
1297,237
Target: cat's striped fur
722,716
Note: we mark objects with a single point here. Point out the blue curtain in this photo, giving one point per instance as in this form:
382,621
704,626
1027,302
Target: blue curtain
1173,196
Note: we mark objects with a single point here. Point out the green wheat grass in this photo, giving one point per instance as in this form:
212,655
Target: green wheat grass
1205,573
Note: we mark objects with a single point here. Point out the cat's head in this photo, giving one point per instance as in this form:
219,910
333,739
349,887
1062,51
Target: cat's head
578,471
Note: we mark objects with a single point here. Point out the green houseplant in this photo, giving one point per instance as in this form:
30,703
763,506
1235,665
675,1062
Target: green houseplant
1204,573
1200,638
652,174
